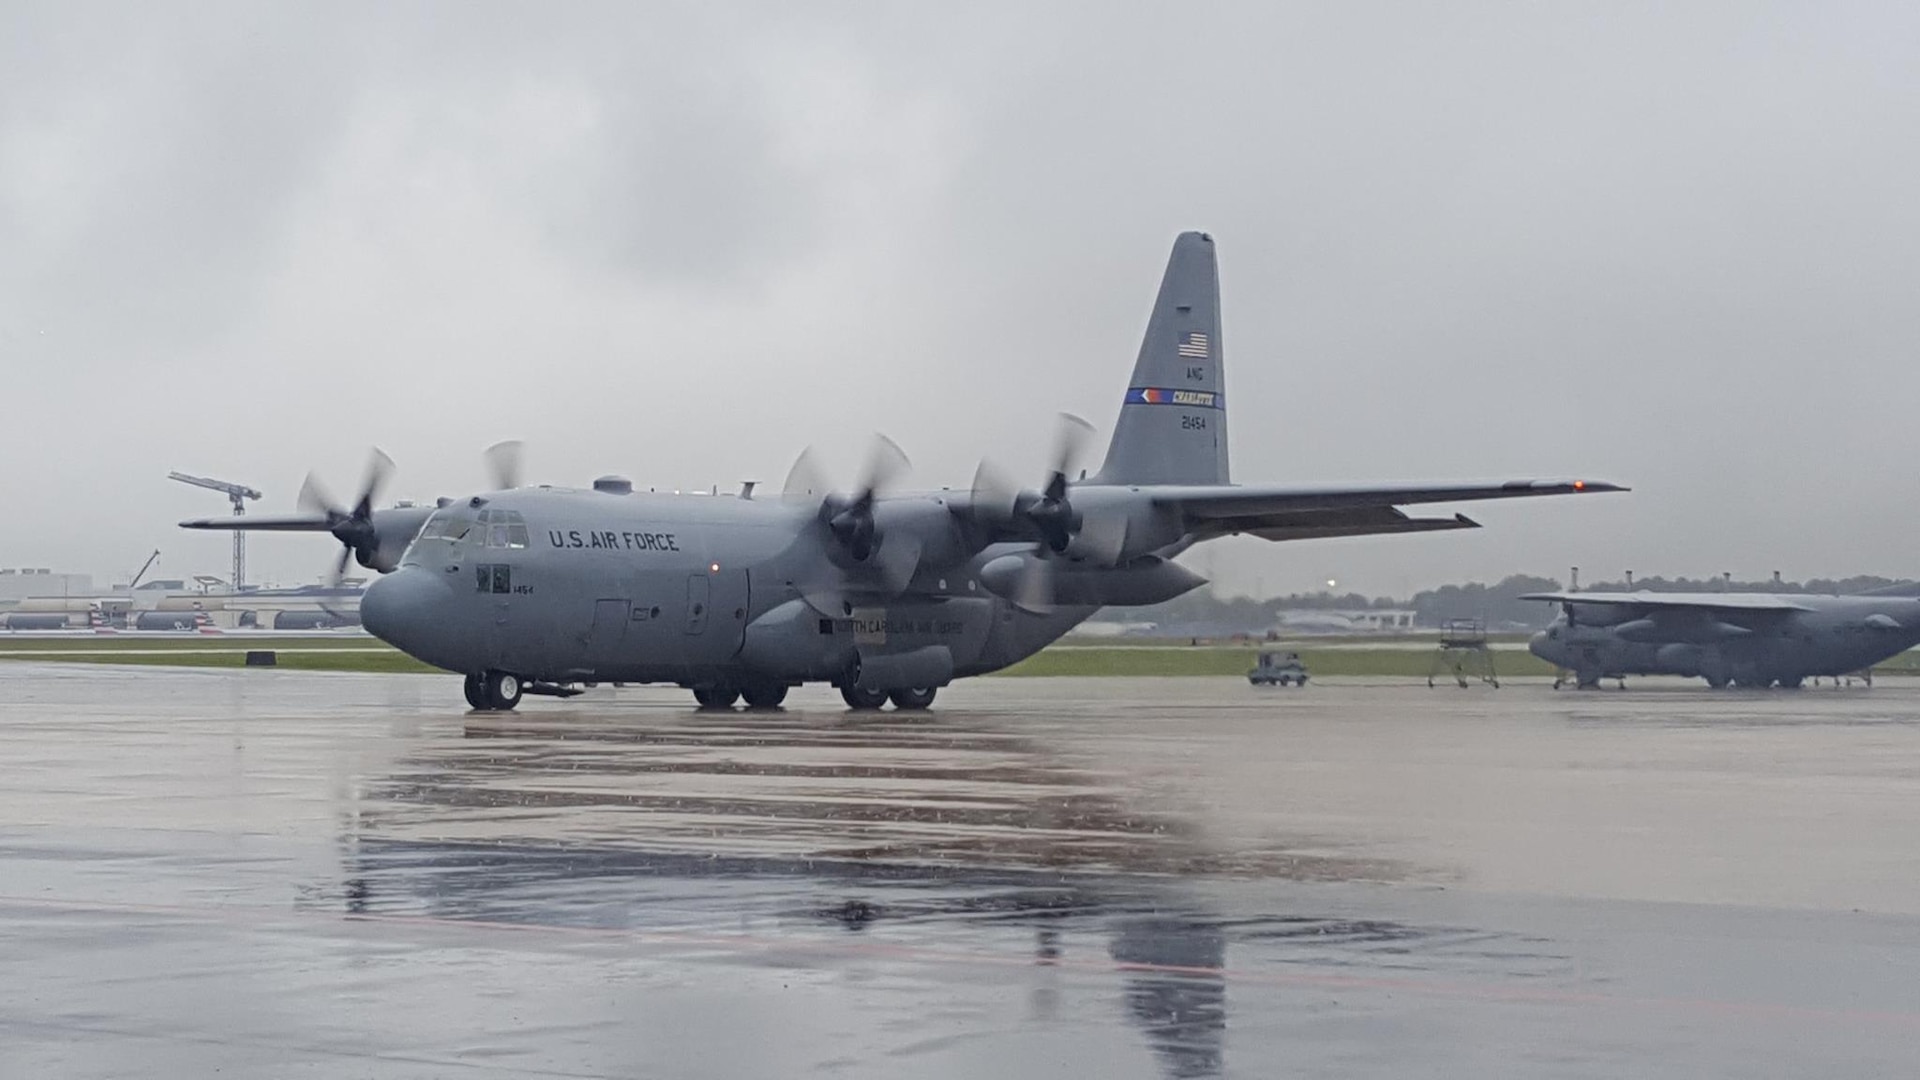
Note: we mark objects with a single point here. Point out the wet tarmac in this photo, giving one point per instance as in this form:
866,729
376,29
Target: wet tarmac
273,873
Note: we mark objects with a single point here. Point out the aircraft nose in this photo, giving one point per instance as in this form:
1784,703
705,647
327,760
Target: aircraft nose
1537,645
397,607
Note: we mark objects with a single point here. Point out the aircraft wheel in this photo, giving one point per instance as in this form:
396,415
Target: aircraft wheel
1716,682
765,695
476,692
716,697
1790,684
863,700
914,700
502,690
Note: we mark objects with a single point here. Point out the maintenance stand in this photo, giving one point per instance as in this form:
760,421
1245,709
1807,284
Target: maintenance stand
1464,650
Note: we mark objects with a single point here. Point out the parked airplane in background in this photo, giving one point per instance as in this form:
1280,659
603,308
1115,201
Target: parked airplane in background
1743,639
886,596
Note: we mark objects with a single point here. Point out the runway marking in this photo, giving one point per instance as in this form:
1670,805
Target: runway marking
766,946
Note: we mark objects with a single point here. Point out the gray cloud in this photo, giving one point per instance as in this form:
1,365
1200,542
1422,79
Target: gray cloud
1673,246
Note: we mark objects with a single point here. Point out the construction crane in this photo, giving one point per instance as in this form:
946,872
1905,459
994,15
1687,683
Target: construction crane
144,567
237,494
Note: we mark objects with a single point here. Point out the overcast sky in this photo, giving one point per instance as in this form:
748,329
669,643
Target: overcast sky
1676,246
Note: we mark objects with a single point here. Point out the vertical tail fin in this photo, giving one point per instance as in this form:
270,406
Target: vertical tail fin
1173,423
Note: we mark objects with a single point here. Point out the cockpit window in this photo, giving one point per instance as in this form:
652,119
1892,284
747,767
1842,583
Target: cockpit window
500,529
444,525
506,536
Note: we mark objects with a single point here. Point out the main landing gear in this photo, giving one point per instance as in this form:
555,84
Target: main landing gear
864,700
767,695
495,691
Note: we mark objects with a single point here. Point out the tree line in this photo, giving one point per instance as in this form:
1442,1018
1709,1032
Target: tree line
1499,604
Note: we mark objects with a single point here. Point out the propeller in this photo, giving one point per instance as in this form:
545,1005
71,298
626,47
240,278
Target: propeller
1048,515
852,522
352,527
861,556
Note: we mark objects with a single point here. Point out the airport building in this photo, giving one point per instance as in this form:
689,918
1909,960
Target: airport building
19,584
1365,621
41,599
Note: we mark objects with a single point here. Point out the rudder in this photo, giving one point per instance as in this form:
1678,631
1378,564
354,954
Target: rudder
1173,423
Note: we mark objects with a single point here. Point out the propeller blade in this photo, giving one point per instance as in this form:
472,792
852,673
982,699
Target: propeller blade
807,478
335,580
994,497
379,468
504,464
1103,539
314,498
825,599
886,464
897,561
1070,443
1034,593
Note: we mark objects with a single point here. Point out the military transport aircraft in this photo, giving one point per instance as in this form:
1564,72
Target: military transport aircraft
1745,639
886,596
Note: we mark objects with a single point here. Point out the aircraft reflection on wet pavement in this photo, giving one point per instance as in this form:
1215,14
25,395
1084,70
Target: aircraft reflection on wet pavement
978,848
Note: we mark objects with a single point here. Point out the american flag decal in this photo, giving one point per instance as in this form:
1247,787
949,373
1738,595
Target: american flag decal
1193,344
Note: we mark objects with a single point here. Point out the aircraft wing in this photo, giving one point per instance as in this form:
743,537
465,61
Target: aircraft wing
1651,601
264,523
1275,512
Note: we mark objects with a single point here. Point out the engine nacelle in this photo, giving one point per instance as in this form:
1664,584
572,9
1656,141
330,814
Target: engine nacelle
1146,580
787,643
1679,627
1684,660
914,669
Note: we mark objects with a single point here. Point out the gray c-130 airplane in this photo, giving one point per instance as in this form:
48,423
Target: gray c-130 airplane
886,596
1754,640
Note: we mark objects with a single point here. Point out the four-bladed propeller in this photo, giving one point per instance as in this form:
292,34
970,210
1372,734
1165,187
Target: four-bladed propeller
1049,517
861,555
352,527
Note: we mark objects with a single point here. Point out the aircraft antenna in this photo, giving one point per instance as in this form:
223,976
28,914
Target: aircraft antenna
237,494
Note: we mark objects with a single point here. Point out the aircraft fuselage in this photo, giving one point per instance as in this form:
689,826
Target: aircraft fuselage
1836,635
577,586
